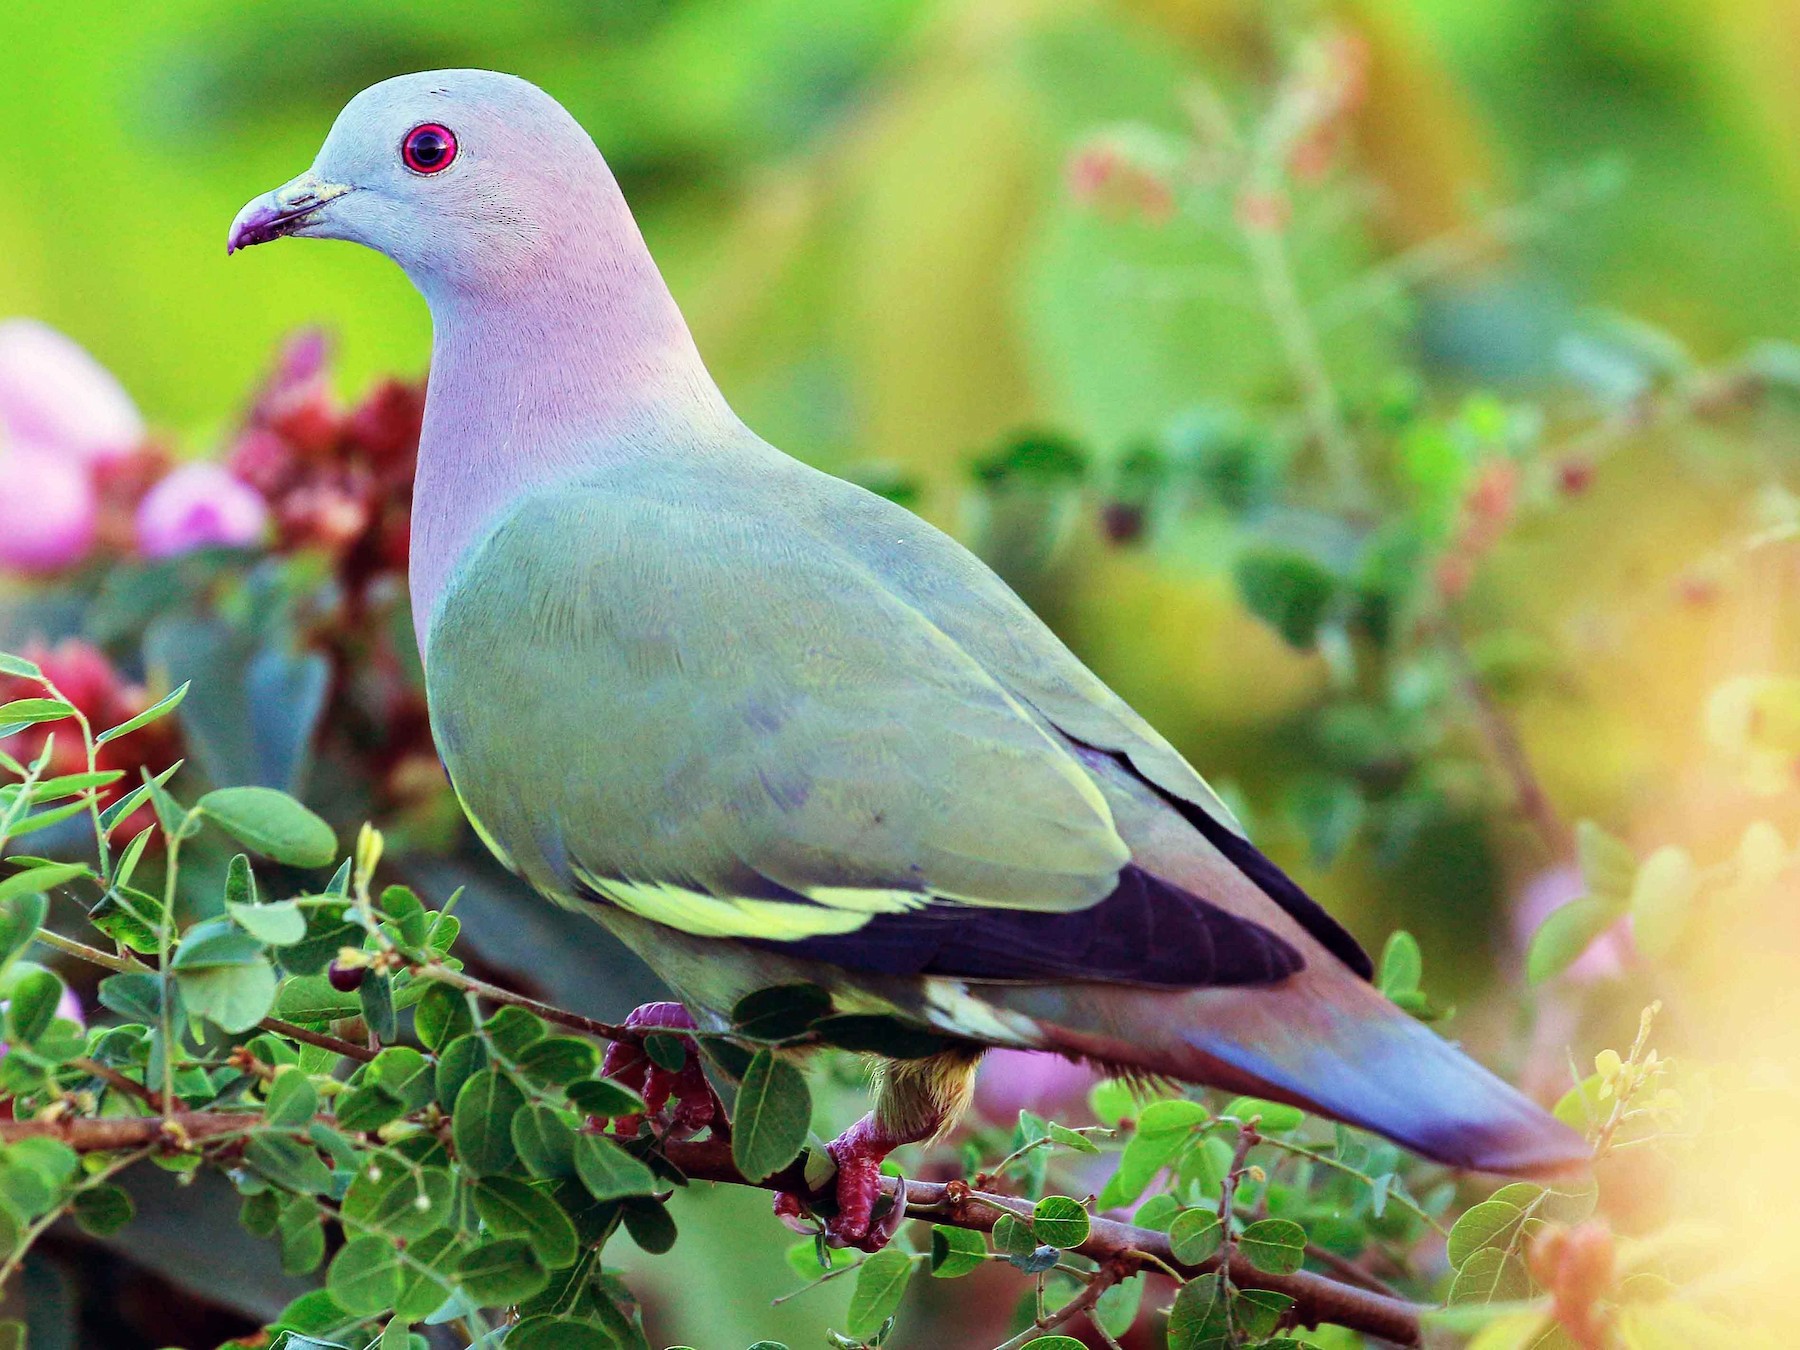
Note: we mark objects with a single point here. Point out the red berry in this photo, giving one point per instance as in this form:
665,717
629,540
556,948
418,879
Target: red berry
346,979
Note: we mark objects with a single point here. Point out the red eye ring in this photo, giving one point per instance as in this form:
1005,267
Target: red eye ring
428,148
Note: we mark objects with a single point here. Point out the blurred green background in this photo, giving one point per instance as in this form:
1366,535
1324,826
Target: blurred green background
866,211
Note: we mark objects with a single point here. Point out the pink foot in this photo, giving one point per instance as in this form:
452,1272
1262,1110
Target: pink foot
628,1063
848,1211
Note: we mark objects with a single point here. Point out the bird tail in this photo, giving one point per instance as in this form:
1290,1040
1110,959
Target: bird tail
1331,1046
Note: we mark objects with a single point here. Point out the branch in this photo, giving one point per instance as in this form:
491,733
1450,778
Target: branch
1119,1247
86,1135
1317,1298
129,965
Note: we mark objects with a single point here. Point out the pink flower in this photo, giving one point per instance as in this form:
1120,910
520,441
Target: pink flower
54,397
199,506
1011,1081
48,510
1606,958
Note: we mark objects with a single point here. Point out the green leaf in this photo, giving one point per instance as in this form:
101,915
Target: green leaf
557,1333
404,1072
1145,1155
32,1007
511,1029
1157,1212
18,665
301,1235
442,1014
161,708
881,1283
666,1050
1481,1226
292,1099
458,1062
1662,900
779,1013
1112,1100
69,784
279,923
956,1252
501,1272
1171,1116
389,1197
1270,1117
375,999
1274,1246
288,1163
1118,1306
1608,866
1286,590
774,1112
1195,1235
124,806
273,824
1058,1221
513,1208
558,1060
608,1171
1565,935
1071,1138
482,1125
43,820
1054,1343
604,1099
40,880
1490,1275
1200,1319
1013,1236
311,999
1402,964
103,1210
21,915
545,1143
650,1224
28,712
429,1274
234,996
1259,1311
366,1276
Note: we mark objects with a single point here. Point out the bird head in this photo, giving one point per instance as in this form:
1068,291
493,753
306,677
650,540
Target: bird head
462,177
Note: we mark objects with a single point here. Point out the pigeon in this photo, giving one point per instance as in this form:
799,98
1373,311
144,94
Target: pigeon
771,729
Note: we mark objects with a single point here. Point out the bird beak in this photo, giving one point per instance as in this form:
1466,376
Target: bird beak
281,212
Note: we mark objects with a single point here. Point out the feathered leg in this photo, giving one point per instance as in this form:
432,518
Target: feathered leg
916,1100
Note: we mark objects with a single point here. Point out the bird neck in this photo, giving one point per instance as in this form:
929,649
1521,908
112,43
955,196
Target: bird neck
545,383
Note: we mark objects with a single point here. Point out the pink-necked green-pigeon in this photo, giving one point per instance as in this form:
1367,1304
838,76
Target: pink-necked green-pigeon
769,728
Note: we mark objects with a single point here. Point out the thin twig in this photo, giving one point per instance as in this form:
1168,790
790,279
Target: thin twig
606,1031
113,1078
1101,1280
127,965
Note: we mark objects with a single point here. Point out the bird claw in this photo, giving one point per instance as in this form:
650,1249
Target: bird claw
850,1208
681,1101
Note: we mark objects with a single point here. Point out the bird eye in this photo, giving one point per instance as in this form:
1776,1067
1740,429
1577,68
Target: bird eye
429,148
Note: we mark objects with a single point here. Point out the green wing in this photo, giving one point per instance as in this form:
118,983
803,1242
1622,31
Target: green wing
737,730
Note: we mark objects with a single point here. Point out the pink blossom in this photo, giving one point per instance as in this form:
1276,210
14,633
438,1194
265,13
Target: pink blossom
54,397
199,506
1011,1081
1607,957
48,511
